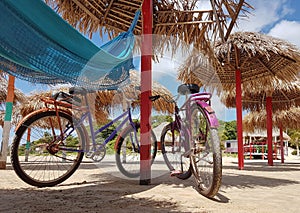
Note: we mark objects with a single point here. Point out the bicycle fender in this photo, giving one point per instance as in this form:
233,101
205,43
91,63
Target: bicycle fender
37,112
210,113
137,125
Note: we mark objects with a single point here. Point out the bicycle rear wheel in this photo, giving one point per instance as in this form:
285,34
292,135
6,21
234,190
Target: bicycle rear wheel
175,145
128,151
39,163
206,157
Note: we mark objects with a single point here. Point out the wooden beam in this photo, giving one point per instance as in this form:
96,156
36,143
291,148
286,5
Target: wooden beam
233,20
107,11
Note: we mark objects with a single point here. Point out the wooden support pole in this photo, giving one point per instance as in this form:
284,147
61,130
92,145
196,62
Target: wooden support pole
146,85
7,121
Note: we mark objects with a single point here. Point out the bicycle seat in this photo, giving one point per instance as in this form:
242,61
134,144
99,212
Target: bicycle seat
64,97
80,90
185,89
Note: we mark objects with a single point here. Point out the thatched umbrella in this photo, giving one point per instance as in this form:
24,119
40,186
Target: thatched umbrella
102,102
281,118
18,97
255,62
170,18
108,99
259,58
284,96
287,118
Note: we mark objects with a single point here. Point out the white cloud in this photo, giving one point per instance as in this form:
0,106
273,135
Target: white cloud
287,30
203,5
265,14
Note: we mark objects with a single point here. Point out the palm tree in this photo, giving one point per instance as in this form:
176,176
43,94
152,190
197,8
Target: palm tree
295,138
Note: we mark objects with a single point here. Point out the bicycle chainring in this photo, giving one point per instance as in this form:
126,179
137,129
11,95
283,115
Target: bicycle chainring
98,154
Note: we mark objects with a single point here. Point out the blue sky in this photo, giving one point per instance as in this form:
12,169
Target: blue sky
279,18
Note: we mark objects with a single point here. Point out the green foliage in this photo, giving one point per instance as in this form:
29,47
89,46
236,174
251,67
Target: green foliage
227,130
294,152
235,155
230,131
295,139
158,119
221,130
295,136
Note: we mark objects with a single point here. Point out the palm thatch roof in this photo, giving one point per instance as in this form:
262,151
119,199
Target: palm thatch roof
260,58
199,69
179,18
285,118
101,102
284,96
18,95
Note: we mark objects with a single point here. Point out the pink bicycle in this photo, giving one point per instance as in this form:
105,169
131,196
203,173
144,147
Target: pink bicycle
191,145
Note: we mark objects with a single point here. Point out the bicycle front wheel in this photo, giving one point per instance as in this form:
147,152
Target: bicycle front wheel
39,156
175,148
128,151
206,157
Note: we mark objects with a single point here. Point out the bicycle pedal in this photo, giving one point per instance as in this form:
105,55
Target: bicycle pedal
89,154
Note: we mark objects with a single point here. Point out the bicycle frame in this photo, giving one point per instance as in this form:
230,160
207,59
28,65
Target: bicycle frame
202,100
86,115
126,114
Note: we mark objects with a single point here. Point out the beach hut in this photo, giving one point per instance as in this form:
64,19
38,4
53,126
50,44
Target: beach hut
288,118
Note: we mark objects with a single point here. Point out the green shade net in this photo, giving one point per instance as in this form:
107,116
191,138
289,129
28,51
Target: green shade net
37,45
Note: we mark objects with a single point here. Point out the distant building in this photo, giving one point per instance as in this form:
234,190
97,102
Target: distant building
231,146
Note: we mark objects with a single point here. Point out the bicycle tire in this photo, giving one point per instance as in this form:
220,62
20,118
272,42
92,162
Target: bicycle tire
128,160
31,159
175,160
206,157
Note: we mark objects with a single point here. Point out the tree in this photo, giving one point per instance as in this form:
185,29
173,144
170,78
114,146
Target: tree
295,138
230,131
158,119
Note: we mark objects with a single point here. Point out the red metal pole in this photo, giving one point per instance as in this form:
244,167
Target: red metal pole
281,144
146,85
239,117
269,130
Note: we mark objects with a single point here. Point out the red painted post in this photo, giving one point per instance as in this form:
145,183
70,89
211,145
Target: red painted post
146,85
7,121
269,130
281,144
239,117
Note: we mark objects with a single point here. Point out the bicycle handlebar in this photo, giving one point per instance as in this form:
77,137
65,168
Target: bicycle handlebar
202,96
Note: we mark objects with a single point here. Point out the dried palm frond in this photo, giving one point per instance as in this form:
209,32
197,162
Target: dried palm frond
284,96
262,60
283,118
180,19
109,99
18,95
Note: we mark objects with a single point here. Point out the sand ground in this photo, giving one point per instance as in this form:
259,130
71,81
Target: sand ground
100,188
